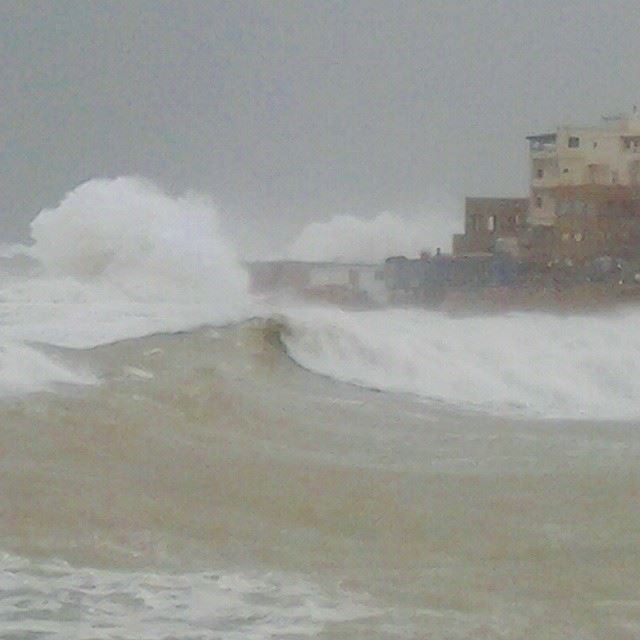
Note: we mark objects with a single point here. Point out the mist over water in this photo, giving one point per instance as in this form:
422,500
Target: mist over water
168,464
346,238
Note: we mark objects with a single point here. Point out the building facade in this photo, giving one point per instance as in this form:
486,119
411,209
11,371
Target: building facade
492,225
584,200
573,164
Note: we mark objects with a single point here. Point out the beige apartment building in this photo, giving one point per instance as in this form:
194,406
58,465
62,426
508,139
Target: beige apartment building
584,199
574,170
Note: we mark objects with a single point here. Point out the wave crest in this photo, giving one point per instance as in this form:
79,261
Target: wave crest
549,366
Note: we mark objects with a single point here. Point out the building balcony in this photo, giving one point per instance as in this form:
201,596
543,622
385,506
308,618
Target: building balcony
542,146
549,151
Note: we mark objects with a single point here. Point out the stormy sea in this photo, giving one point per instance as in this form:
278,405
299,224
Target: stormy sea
182,460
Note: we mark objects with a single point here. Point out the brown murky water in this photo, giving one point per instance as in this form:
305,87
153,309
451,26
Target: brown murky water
366,514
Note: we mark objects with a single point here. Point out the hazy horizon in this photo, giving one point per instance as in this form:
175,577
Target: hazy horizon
292,112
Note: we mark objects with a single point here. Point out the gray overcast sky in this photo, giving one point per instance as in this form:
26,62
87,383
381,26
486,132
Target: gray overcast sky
291,111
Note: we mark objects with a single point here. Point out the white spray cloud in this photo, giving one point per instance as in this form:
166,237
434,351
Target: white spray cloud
346,238
115,259
129,235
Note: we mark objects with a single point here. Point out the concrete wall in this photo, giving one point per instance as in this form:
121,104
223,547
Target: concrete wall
488,223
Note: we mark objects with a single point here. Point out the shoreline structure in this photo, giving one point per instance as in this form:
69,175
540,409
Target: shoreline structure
572,243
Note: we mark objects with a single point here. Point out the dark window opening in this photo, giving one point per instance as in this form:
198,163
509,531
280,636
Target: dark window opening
574,142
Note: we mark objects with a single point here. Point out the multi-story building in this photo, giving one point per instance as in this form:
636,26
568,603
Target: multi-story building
584,200
579,170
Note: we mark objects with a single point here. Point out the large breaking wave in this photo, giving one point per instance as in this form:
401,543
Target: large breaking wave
120,259
541,364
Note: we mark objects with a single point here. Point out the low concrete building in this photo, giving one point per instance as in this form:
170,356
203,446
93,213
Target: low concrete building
430,279
345,283
491,225
360,280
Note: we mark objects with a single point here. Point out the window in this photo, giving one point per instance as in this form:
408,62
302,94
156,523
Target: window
565,170
539,202
491,223
574,142
539,173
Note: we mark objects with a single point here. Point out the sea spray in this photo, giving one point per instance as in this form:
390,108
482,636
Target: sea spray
118,258
146,246
346,238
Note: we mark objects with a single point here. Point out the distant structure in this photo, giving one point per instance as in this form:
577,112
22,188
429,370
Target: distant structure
577,169
491,225
353,284
584,200
574,240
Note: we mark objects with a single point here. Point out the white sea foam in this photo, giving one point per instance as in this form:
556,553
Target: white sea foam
56,601
552,366
118,259
23,368
346,238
